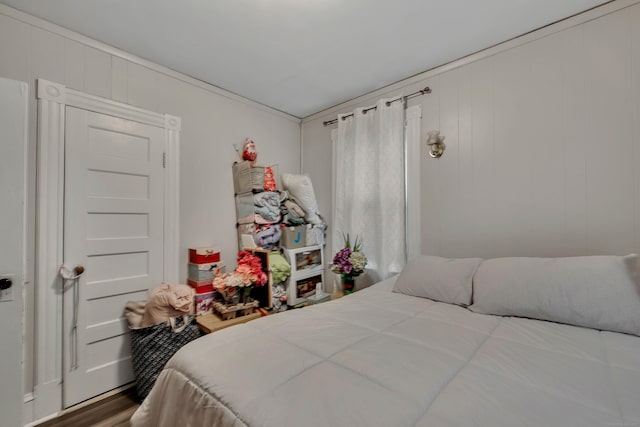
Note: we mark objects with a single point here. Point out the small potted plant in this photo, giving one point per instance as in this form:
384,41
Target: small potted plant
349,263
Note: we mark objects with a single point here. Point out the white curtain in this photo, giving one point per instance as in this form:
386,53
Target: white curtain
369,185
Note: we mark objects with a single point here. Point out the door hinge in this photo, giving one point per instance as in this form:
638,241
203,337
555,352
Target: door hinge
164,160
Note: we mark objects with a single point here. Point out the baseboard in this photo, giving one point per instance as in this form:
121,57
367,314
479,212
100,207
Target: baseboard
96,399
41,420
87,405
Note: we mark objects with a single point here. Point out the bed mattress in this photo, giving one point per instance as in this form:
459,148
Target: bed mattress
377,358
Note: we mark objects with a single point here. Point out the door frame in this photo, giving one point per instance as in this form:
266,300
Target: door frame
53,98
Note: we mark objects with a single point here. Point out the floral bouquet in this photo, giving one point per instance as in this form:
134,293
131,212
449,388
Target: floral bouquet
247,275
350,263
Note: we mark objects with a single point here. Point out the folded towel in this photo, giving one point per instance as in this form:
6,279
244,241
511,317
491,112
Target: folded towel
280,268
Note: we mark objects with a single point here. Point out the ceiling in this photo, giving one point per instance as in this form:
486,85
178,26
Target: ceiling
301,56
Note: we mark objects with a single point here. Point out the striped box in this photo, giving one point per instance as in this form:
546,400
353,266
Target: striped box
201,286
207,271
204,255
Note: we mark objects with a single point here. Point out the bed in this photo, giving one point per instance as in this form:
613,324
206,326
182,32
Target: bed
419,349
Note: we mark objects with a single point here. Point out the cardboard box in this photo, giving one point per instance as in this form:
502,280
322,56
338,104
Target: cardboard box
294,237
247,178
204,255
315,234
245,208
246,230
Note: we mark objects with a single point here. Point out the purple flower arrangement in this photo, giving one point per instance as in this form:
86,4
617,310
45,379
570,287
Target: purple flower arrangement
348,261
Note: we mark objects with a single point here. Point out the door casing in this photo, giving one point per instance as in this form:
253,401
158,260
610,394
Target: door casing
53,98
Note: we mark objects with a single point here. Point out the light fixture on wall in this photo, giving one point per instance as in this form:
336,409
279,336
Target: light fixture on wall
435,143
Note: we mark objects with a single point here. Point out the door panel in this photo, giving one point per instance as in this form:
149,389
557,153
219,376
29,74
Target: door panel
113,227
105,310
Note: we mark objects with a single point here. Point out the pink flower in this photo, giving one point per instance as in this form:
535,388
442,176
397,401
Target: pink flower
250,269
245,273
219,283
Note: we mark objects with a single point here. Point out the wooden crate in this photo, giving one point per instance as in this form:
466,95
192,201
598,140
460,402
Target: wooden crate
227,312
213,322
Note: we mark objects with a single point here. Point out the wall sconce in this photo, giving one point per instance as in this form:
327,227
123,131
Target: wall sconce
435,143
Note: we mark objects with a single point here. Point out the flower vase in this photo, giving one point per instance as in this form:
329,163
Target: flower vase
246,295
348,284
235,299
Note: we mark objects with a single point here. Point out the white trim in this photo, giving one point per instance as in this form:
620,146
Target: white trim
80,405
334,168
301,133
53,98
172,122
96,399
581,18
27,408
330,243
172,199
25,227
42,420
48,305
413,159
55,29
64,96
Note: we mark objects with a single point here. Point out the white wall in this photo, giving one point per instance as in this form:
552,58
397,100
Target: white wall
212,121
543,143
13,137
544,147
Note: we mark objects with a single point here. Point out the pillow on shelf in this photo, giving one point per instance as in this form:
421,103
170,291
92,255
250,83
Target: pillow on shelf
301,189
599,292
440,279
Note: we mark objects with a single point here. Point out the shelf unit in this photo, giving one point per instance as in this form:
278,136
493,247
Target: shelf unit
307,271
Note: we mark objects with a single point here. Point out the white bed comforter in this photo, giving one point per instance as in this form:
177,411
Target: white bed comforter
377,358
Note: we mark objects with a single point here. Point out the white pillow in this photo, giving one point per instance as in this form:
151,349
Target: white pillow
439,279
301,188
599,292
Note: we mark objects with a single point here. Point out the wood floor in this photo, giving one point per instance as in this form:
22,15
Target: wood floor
113,411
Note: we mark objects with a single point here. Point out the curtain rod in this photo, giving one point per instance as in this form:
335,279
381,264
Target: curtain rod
424,91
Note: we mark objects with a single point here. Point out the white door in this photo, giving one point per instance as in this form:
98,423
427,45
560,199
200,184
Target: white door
13,142
113,227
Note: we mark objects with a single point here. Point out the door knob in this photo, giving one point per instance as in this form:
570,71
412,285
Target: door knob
71,274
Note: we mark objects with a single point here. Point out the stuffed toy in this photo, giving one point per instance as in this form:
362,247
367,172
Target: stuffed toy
249,151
